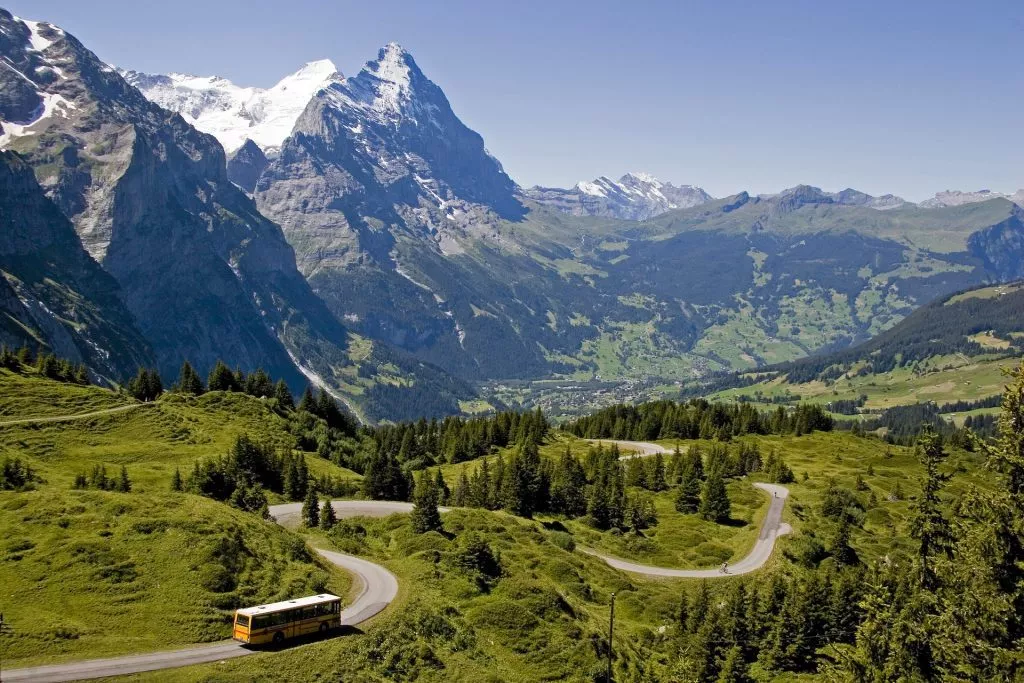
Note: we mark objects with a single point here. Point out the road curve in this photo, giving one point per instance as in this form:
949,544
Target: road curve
637,449
79,416
771,528
377,589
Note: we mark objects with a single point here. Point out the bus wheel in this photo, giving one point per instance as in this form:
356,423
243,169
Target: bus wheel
278,637
324,627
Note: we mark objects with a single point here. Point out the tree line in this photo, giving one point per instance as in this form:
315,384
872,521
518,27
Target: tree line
46,364
456,439
697,419
904,424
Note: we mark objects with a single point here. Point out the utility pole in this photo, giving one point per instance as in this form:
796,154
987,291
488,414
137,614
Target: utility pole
611,632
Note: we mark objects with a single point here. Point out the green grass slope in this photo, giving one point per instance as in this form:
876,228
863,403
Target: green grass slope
955,348
151,440
89,574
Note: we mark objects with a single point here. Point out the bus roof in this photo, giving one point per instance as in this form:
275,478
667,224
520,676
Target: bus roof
288,604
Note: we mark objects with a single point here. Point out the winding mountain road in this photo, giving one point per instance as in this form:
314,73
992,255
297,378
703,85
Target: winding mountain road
637,449
378,587
771,528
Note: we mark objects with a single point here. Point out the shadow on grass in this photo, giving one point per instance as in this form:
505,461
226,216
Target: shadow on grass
306,639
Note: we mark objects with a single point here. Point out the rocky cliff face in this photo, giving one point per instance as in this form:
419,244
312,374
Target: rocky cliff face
1001,246
205,275
51,291
246,165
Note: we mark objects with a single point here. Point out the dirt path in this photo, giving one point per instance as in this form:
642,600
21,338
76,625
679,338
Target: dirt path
79,416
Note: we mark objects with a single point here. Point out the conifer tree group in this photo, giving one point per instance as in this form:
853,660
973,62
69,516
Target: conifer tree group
46,364
146,385
425,515
697,419
99,479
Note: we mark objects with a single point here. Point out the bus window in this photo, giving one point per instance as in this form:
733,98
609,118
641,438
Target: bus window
262,621
242,620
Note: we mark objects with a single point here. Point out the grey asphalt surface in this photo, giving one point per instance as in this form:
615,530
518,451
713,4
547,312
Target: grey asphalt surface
771,528
376,585
635,449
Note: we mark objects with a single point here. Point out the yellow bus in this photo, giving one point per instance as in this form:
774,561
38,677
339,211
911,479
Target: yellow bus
277,621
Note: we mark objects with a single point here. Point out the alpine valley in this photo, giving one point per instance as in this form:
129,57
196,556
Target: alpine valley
353,233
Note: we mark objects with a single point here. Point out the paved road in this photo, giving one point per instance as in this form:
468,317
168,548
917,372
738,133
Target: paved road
378,586
637,449
377,589
66,418
771,528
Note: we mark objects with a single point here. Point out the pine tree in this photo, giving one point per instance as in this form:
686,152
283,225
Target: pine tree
311,509
425,515
841,549
656,477
687,498
699,608
258,384
734,668
636,472
463,491
176,483
443,492
928,526
327,516
124,485
188,380
714,500
308,401
221,378
283,396
568,486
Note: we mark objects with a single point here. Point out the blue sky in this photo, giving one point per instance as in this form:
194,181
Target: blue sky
904,97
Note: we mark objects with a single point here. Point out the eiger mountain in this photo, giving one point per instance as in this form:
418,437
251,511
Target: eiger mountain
203,273
377,246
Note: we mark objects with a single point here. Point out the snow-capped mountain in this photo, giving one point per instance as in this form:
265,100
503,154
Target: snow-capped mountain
383,146
232,113
635,196
959,198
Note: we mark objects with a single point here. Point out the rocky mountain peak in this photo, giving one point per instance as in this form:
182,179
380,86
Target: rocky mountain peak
393,90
